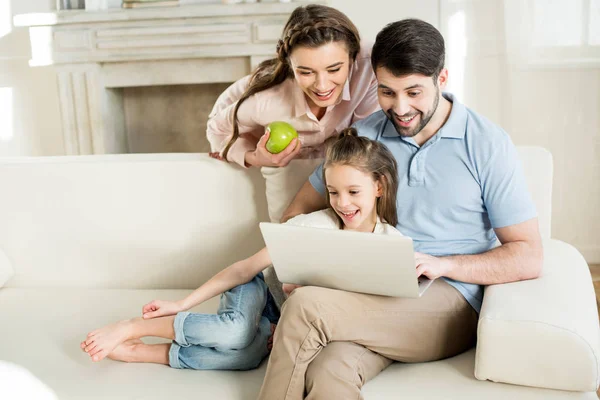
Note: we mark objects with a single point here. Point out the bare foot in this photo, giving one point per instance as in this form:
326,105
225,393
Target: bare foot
101,342
124,351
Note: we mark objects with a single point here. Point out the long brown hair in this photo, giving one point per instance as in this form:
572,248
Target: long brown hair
370,157
311,26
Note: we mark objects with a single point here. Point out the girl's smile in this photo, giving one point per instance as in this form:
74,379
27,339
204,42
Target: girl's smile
353,196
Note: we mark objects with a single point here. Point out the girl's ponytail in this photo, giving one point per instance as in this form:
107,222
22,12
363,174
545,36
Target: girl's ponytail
348,132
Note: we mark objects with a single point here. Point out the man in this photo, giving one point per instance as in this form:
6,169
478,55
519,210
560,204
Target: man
461,188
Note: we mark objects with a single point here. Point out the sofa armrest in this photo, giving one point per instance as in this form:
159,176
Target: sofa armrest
6,269
542,332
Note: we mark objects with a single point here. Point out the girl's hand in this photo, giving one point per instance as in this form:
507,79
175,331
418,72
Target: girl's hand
161,308
262,158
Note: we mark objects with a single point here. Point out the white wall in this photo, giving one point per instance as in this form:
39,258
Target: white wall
373,15
28,96
557,108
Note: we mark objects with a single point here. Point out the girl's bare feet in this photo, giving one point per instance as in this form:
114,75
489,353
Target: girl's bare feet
125,351
101,342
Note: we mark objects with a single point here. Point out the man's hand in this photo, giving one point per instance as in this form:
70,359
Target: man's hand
288,288
432,267
161,308
262,158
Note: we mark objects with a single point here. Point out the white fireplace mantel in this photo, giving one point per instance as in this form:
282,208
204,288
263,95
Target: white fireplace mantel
98,53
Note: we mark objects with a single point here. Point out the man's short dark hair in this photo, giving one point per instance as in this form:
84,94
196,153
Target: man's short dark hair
409,46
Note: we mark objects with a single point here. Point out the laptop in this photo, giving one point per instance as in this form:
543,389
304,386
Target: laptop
345,260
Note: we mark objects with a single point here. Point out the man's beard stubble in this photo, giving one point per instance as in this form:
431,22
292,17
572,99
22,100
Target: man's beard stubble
422,124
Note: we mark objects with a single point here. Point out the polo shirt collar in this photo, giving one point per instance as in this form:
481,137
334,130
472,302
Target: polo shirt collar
455,127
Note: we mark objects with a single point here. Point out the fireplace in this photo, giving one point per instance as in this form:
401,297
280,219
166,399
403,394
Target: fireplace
144,80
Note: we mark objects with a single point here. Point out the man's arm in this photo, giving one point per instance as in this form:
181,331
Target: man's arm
519,258
307,200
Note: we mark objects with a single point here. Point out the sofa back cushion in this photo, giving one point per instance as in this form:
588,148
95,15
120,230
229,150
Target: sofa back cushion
127,221
148,221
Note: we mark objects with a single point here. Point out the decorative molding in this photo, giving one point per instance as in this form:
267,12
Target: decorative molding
73,40
209,11
72,89
174,72
266,32
90,114
173,36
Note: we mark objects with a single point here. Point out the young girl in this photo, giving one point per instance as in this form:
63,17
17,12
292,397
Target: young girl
320,82
362,180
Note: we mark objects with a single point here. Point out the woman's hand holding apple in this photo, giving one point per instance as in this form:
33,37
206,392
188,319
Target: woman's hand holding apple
262,158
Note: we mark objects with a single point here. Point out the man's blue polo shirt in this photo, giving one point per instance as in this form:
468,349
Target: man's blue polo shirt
456,188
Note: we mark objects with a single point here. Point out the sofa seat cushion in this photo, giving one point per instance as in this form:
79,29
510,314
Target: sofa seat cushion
17,383
42,329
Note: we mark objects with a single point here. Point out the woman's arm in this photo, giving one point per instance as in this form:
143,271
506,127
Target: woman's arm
236,274
254,113
219,127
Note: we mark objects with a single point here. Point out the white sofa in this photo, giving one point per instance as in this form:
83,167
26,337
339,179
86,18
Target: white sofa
85,241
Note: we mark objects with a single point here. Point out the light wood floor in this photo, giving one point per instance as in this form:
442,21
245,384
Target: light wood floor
596,278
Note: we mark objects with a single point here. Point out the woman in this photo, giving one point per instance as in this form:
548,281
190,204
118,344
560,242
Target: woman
321,82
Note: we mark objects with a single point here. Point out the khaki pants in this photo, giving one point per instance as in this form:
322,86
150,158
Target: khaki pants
329,343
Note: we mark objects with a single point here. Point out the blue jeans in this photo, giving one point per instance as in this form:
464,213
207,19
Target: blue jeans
235,338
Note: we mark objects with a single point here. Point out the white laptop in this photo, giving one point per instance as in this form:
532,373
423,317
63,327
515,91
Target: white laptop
352,261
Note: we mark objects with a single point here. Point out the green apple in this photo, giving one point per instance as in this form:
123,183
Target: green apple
280,135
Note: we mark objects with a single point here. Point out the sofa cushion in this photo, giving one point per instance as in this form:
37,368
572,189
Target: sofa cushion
42,329
542,332
17,383
135,221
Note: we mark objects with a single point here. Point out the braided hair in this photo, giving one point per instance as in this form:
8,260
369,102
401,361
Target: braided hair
311,26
